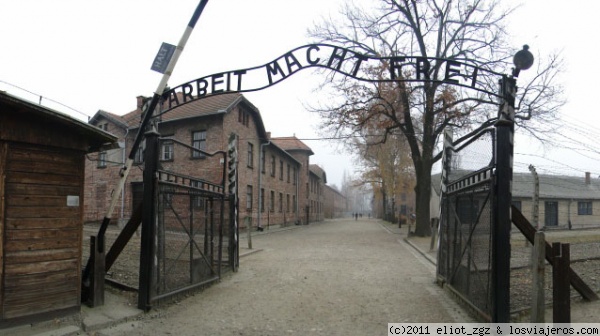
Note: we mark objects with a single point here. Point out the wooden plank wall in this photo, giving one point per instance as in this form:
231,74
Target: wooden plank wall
3,152
42,235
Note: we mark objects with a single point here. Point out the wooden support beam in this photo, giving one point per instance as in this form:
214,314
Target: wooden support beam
529,232
128,230
561,291
96,289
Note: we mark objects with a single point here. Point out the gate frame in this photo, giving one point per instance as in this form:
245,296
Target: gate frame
445,269
149,221
149,237
501,198
505,126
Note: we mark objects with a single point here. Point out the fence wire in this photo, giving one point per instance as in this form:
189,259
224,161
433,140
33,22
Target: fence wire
464,260
190,246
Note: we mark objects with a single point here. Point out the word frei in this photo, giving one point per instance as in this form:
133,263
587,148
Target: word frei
342,60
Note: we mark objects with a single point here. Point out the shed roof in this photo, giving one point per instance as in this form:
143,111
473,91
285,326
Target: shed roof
96,137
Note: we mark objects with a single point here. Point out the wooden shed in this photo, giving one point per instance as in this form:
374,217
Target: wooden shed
42,155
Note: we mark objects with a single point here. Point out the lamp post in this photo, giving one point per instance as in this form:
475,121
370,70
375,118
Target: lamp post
503,189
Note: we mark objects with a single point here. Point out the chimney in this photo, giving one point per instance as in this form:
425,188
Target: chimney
587,178
268,135
140,101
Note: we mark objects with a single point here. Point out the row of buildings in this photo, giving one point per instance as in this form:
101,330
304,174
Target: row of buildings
57,172
564,202
277,184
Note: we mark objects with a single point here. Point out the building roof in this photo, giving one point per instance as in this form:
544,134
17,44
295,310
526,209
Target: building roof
97,138
334,190
210,105
118,120
556,186
283,152
318,171
291,144
551,186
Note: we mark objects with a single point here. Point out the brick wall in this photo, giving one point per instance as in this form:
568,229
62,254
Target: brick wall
100,181
246,124
334,203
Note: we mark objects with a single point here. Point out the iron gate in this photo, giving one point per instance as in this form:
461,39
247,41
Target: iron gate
187,227
465,251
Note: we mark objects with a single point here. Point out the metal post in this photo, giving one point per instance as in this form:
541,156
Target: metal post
142,128
503,195
148,239
232,178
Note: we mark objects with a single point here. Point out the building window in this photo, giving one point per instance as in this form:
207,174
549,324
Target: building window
295,176
273,165
102,159
280,202
167,150
244,117
281,170
250,155
550,213
467,210
288,173
584,208
198,142
262,162
103,127
287,203
198,202
294,206
249,197
262,200
139,154
272,205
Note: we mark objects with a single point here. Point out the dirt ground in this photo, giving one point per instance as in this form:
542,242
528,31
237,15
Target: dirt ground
335,278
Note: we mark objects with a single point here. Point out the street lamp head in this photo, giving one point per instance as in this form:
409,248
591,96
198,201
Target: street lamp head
523,59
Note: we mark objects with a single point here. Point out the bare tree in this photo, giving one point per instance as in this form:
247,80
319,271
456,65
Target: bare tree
387,167
467,31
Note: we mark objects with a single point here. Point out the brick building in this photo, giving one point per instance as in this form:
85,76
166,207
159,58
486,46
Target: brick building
275,183
334,203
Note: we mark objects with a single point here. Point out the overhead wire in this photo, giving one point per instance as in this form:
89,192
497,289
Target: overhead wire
41,97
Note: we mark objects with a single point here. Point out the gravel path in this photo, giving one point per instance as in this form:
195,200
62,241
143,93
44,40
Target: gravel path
335,278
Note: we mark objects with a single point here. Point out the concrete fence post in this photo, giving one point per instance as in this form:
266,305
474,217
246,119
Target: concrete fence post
538,301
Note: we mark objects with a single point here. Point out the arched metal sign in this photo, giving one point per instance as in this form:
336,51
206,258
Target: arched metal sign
342,60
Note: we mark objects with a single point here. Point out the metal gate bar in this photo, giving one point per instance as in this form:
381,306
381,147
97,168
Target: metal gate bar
182,227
